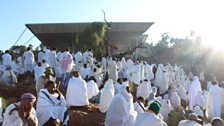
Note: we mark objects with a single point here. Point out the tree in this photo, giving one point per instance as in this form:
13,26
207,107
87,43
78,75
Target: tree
92,38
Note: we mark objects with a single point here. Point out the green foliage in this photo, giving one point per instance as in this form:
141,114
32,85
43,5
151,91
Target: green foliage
92,38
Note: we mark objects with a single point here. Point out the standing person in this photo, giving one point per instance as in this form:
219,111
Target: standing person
66,62
21,113
214,101
78,57
112,70
6,58
41,55
121,110
66,65
193,90
52,59
28,60
51,105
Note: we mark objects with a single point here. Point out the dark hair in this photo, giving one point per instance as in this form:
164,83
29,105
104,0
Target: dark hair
49,83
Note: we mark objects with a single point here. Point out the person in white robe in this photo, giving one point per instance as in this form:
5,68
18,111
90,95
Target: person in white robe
90,57
52,59
117,86
107,96
148,72
214,100
200,100
175,100
51,104
97,75
112,70
41,56
21,113
124,63
135,74
129,64
150,117
121,110
1,110
104,63
8,76
78,57
92,88
144,89
193,90
66,62
166,108
85,57
139,106
28,57
85,71
181,91
38,71
17,67
191,121
6,58
217,121
77,91
42,80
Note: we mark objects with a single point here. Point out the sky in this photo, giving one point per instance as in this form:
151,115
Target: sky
178,17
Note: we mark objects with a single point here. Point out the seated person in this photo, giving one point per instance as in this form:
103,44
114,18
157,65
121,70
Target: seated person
21,113
51,105
150,117
76,95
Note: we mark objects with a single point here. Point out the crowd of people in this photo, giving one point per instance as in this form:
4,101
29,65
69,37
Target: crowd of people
130,93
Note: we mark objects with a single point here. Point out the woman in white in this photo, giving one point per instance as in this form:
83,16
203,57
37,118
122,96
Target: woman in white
106,96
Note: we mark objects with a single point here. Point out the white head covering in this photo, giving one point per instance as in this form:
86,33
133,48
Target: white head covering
198,111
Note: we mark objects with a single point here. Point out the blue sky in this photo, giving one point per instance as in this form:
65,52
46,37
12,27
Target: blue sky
175,16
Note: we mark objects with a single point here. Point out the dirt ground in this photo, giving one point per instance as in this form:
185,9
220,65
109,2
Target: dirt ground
82,117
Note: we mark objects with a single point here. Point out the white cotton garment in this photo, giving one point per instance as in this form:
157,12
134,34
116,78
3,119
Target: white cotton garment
106,96
77,92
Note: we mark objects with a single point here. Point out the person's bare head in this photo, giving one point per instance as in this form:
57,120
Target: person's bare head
75,73
217,122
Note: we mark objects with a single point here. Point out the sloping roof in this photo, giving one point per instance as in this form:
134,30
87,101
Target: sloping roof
61,35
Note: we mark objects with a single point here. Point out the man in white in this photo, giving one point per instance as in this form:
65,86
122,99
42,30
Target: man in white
175,100
66,62
6,58
148,72
77,91
135,73
92,88
166,108
52,59
139,105
106,96
144,89
8,76
38,71
85,57
191,121
112,70
193,90
51,104
21,113
117,86
150,117
78,57
214,100
41,56
28,60
84,71
121,110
